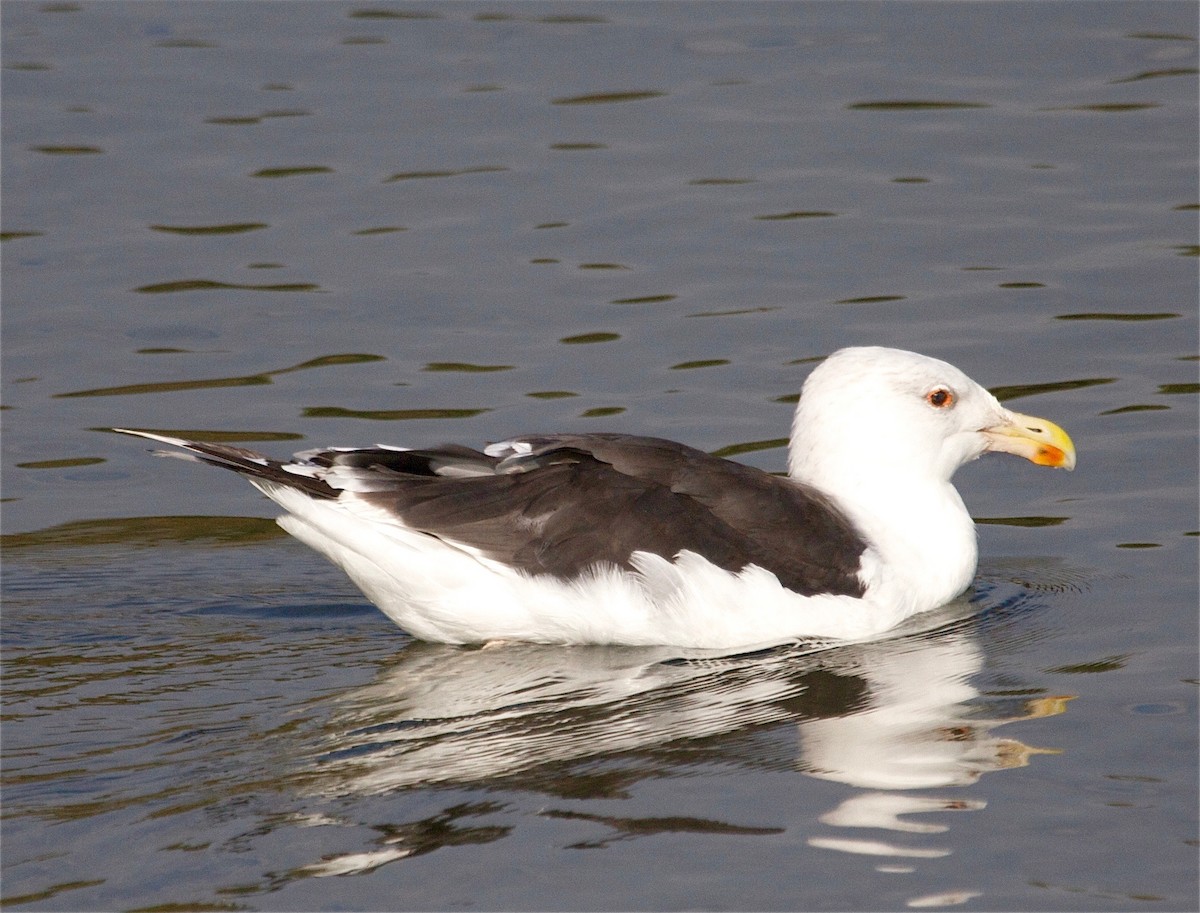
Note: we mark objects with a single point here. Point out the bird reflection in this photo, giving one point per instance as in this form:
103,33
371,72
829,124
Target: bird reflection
886,717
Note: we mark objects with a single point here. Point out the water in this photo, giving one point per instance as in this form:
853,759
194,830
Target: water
291,225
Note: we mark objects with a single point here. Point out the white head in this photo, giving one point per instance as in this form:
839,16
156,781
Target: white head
882,431
877,413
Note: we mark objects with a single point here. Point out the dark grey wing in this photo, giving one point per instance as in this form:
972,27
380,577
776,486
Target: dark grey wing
560,504
446,461
562,519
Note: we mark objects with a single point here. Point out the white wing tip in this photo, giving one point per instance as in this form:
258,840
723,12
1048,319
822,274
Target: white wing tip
508,448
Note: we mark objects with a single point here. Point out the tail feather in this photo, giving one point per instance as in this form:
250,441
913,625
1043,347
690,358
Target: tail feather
238,459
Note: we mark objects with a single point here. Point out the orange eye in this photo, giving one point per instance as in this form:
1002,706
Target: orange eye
940,398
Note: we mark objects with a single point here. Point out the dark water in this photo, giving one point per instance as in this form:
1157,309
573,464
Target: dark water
308,223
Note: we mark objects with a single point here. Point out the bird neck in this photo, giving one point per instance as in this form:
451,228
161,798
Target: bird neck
922,544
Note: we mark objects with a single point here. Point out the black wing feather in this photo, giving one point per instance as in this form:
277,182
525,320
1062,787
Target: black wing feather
561,504
577,500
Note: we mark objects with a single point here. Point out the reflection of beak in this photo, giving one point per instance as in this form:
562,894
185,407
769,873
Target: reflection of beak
1036,439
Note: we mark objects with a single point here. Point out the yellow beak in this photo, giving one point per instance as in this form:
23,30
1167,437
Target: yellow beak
1038,440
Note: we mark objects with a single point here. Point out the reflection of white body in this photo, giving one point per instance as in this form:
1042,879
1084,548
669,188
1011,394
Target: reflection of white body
889,716
916,735
639,541
900,721
921,735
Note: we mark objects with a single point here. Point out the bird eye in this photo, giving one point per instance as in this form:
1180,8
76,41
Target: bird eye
940,398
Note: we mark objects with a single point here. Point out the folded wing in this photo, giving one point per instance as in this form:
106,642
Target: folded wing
561,504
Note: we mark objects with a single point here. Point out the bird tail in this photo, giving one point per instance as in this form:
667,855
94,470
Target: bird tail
240,460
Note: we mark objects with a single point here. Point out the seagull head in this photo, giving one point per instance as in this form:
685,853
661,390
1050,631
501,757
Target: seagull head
886,414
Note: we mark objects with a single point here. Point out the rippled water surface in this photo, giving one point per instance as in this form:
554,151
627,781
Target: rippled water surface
298,224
